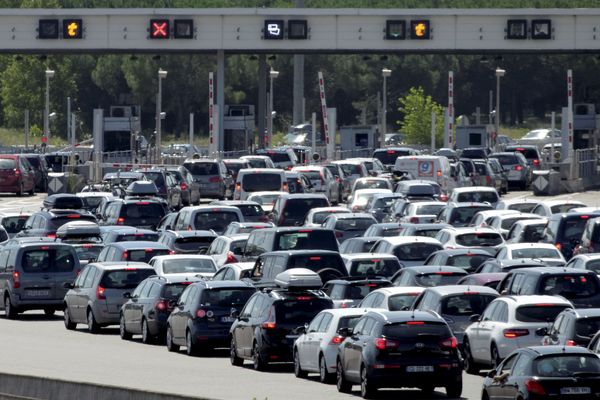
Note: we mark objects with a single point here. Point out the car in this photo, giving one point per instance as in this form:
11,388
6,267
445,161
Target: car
589,262
316,348
14,223
150,304
489,279
353,169
566,230
499,175
342,180
257,161
212,175
456,304
291,209
237,228
410,250
503,223
590,238
359,200
317,215
388,155
487,176
227,249
542,372
187,242
421,212
475,153
132,251
524,205
371,183
117,233
527,231
46,222
461,214
467,258
371,264
428,276
540,137
266,328
204,313
266,199
572,327
518,170
40,170
282,157
234,165
358,245
250,181
348,292
507,324
251,210
476,194
16,175
234,272
471,238
429,230
531,153
373,165
494,265
417,349
392,298
426,167
418,190
99,292
321,181
380,205
183,265
544,252
297,183
482,218
348,225
91,200
166,185
190,188
139,212
385,229
33,273
207,217
547,208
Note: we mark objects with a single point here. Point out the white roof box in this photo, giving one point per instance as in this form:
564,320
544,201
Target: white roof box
301,278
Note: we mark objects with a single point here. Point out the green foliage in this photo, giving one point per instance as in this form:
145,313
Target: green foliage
418,108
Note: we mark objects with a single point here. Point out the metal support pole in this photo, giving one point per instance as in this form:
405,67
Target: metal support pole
191,153
384,113
298,95
552,127
270,133
491,107
433,117
158,138
314,131
220,139
69,121
27,128
497,117
73,132
47,110
262,98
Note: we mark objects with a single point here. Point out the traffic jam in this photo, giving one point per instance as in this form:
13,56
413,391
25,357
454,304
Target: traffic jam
399,270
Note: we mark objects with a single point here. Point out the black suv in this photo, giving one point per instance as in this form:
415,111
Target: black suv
399,349
565,230
291,209
272,239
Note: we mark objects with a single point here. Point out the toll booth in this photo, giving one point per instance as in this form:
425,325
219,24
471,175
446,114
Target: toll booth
586,126
473,136
238,127
358,137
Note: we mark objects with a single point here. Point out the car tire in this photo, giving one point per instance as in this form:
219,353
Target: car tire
470,365
367,389
324,375
343,386
258,363
10,311
454,391
298,371
191,348
233,357
19,192
93,326
32,191
495,356
70,325
123,329
48,312
147,337
170,345
485,396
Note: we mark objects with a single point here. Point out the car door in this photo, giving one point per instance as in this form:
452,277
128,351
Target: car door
348,347
498,386
176,317
129,308
492,328
357,349
305,344
72,297
138,307
86,294
241,331
317,343
476,335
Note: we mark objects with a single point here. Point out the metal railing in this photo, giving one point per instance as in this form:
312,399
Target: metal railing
586,161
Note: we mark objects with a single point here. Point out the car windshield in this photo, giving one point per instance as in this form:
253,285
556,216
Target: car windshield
292,312
539,312
222,297
306,240
14,224
429,209
371,184
400,302
465,304
216,220
193,243
263,181
412,330
570,286
188,265
477,197
533,252
319,217
203,168
144,255
438,279
374,266
565,365
573,228
468,261
415,251
353,224
127,278
479,239
45,260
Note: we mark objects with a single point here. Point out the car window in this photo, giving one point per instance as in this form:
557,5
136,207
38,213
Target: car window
368,327
325,322
314,324
507,365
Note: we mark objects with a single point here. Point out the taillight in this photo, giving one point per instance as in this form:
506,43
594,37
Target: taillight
337,339
284,187
215,179
200,313
338,234
414,220
514,333
17,171
230,258
161,305
570,343
534,387
270,322
536,162
443,197
124,255
16,279
120,220
518,168
337,179
439,173
450,343
100,293
51,235
238,186
183,186
558,246
488,179
386,344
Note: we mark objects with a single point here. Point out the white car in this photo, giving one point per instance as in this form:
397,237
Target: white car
589,262
410,250
316,349
371,264
503,223
358,201
265,199
316,216
470,237
527,231
421,212
475,194
546,252
520,205
507,324
321,181
392,298
234,272
549,207
481,218
256,161
184,265
371,183
14,222
373,165
227,249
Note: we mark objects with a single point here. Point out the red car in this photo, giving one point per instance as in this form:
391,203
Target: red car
16,175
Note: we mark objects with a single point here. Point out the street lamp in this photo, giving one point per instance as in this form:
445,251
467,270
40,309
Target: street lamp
272,75
499,74
49,75
158,139
386,73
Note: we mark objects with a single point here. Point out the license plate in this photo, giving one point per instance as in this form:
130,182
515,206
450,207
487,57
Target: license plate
575,390
419,368
227,319
38,293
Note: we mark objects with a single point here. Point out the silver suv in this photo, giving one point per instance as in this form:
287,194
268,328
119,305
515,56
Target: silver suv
215,181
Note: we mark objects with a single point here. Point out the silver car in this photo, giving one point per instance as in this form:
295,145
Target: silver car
518,171
215,181
96,297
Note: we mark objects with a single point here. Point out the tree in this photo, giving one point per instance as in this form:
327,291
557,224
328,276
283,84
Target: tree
417,109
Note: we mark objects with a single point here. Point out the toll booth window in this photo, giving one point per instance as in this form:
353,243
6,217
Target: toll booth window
297,29
541,29
361,140
516,29
395,30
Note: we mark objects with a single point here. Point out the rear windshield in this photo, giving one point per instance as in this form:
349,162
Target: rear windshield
353,224
593,265
539,312
432,233
145,255
251,210
258,182
294,312
57,222
216,220
91,202
566,365
477,197
374,266
348,322
298,208
572,228
187,265
463,215
529,153
311,175
466,304
88,252
193,243
507,223
371,184
385,202
319,217
522,207
137,237
438,279
234,167
481,168
221,297
172,291
157,177
48,260
479,239
467,261
307,240
533,233
535,253
257,163
416,329
351,169
317,263
415,251
14,224
570,286
127,278
279,157
389,157
142,211
402,302
587,327
429,209
563,208
34,161
357,291
7,163
203,168
390,232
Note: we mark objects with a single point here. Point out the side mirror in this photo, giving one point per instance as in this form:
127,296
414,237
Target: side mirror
203,250
475,318
344,332
127,295
300,330
491,374
541,331
68,285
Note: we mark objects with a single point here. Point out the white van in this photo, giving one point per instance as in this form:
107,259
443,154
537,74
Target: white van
250,180
427,168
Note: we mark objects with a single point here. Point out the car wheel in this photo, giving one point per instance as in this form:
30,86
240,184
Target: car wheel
32,191
343,386
259,363
191,348
470,366
485,396
20,191
367,389
91,322
324,376
147,338
298,371
233,357
70,325
170,345
10,311
454,390
49,311
496,360
123,329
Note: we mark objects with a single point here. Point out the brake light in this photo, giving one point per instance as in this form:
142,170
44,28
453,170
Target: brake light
338,234
269,325
100,293
304,230
270,322
514,333
470,293
337,179
183,186
120,221
51,235
414,220
534,387
200,313
385,344
16,279
570,343
520,149
443,197
450,343
148,250
439,173
238,186
391,152
444,273
536,162
314,258
284,187
584,217
303,298
215,179
142,203
131,269
337,340
161,305
518,168
558,246
17,172
45,247
124,255
371,285
415,323
488,179
230,258
73,216
87,246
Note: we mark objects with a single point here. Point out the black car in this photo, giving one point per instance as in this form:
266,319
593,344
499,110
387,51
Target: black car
348,292
493,265
142,212
272,239
291,209
565,230
460,214
149,306
204,313
392,349
251,210
545,372
46,222
40,170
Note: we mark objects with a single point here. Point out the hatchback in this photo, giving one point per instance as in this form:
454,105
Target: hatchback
348,225
371,264
291,209
227,249
238,228
565,230
518,171
256,180
410,250
428,276
590,262
487,239
16,175
183,265
133,251
475,194
572,327
392,298
527,231
530,152
212,175
461,214
348,292
207,217
187,242
469,259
